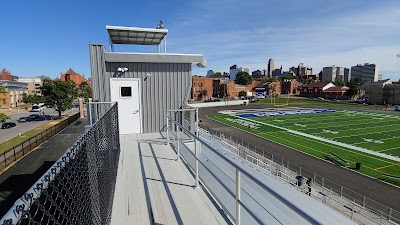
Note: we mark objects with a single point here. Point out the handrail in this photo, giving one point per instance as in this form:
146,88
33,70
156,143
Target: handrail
239,168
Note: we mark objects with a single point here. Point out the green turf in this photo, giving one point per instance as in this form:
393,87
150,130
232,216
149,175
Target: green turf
360,129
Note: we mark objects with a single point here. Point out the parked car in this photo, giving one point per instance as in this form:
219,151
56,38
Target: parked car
40,118
37,108
33,117
48,117
24,119
7,125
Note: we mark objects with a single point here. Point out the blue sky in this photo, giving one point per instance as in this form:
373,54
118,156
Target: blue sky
48,37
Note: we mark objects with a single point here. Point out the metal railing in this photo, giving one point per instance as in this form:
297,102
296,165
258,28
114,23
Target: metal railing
327,190
176,130
79,187
96,110
14,153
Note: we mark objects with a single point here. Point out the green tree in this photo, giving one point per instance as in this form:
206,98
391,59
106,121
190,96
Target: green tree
243,78
2,91
339,83
354,87
203,94
86,93
216,75
3,117
59,94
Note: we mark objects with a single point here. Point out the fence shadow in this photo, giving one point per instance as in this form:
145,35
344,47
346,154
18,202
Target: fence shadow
15,186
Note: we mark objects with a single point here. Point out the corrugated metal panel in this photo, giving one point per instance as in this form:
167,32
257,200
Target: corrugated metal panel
168,87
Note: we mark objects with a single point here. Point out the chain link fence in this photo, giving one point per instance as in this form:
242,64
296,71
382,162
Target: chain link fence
79,187
13,154
329,192
96,110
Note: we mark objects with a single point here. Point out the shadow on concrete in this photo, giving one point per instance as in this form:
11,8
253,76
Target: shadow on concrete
15,186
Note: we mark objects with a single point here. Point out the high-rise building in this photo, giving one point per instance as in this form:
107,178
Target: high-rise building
346,75
233,70
209,73
271,67
334,73
366,72
302,71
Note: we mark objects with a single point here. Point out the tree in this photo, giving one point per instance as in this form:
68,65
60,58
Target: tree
59,94
203,94
243,78
86,93
216,75
3,117
2,92
339,83
354,87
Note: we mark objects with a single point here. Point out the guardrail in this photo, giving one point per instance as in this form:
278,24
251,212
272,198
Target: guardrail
79,187
13,154
175,130
329,190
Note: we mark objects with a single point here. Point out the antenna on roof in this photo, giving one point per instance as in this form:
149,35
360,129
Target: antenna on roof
160,25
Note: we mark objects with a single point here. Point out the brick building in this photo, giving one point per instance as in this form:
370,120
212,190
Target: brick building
290,86
5,75
336,92
315,89
71,75
199,85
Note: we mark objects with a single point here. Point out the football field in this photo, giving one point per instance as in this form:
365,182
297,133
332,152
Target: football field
341,136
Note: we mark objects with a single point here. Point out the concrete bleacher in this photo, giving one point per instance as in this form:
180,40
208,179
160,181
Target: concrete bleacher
152,187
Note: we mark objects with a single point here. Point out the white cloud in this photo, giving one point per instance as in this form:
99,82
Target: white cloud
342,38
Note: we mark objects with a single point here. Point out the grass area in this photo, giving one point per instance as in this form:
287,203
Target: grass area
293,100
25,136
348,127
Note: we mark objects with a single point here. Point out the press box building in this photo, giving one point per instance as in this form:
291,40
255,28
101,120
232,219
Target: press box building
145,85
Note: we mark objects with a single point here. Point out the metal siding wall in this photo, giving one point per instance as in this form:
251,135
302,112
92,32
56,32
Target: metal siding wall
167,88
101,92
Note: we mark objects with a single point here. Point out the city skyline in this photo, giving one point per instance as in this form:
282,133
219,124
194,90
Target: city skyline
42,40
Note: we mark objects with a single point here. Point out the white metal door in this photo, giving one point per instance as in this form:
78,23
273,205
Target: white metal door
126,91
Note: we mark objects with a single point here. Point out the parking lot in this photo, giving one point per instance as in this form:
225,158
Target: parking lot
22,127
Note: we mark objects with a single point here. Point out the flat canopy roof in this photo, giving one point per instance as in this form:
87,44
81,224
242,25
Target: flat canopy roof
136,35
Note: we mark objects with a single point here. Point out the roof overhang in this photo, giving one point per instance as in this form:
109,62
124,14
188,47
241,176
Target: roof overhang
194,59
135,35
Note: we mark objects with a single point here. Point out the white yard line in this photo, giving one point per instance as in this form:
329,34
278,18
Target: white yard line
356,135
394,158
388,149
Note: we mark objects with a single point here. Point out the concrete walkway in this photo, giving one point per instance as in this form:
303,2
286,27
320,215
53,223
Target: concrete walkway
153,188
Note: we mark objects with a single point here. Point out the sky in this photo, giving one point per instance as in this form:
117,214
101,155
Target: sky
48,37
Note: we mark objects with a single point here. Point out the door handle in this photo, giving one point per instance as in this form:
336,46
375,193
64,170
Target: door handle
136,111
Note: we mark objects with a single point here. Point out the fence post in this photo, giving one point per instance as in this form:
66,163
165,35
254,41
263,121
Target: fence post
167,130
177,145
196,155
364,202
237,197
299,170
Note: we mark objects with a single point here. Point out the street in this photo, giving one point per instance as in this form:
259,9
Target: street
22,127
